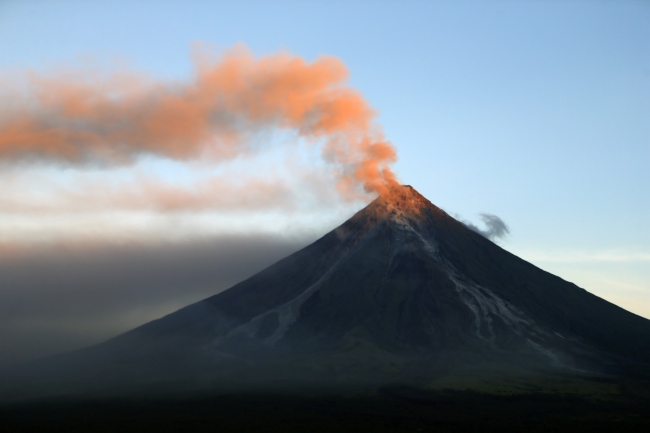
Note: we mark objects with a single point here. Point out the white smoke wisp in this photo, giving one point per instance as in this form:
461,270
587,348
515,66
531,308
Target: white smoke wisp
495,227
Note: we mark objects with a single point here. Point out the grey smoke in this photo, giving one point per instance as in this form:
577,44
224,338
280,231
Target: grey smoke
63,297
495,228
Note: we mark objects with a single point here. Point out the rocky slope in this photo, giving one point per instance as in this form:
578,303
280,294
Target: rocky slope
400,293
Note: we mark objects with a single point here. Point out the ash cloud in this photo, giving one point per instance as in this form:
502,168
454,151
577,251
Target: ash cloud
66,296
90,117
495,228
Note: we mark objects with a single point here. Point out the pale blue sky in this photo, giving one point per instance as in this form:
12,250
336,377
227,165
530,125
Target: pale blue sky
536,111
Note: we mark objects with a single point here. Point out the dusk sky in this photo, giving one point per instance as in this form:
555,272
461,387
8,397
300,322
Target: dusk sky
537,112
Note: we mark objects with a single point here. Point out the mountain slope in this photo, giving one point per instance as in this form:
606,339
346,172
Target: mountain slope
401,292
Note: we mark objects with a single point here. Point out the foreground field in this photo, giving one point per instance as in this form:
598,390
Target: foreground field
598,406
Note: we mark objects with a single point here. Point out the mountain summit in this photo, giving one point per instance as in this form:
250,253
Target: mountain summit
399,293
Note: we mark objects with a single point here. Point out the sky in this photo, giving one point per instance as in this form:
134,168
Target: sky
537,112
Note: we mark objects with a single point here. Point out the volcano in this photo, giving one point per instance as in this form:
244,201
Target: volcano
400,293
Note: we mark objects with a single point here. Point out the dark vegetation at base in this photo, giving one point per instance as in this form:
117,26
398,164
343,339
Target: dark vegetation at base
392,409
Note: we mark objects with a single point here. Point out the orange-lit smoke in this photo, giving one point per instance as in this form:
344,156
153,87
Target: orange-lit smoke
81,117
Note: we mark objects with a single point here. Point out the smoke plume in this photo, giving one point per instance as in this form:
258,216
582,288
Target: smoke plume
65,295
87,117
495,228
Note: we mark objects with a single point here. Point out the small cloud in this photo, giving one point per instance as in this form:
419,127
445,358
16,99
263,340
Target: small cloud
495,228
